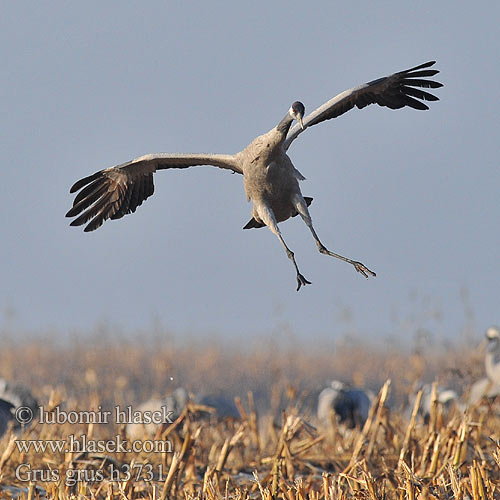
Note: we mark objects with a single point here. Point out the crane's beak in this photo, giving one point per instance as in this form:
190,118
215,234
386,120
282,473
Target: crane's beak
301,122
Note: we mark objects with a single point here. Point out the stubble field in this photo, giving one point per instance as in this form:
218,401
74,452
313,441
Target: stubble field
276,449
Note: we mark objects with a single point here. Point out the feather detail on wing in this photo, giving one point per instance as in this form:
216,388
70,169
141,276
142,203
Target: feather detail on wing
394,91
118,191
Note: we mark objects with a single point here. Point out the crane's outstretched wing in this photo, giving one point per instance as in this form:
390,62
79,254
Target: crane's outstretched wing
394,91
118,191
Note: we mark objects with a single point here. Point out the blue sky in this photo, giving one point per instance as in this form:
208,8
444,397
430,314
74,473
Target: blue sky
413,195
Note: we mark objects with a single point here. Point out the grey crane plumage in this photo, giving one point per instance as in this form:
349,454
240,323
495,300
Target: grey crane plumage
492,357
17,397
350,404
481,390
170,407
488,387
446,398
223,405
6,415
271,181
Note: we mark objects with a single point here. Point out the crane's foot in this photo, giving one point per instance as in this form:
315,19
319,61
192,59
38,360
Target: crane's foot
301,281
361,268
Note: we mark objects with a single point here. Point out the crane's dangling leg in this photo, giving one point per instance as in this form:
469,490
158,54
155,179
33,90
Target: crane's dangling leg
267,216
301,207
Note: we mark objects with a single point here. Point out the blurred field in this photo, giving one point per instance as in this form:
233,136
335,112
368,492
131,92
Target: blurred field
277,449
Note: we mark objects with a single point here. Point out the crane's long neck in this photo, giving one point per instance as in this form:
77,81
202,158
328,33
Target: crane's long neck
492,361
284,125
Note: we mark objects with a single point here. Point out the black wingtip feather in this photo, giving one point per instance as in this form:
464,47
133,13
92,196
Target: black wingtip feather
420,66
418,93
71,213
83,182
87,190
424,73
87,201
416,82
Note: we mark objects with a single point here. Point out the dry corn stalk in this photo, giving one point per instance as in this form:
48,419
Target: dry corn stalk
409,429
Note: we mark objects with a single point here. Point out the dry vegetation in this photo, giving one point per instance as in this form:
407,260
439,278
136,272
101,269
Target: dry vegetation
276,450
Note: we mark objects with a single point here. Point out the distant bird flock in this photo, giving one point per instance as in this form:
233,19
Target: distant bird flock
338,403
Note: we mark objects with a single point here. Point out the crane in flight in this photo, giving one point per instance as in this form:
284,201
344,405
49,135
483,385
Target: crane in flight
271,181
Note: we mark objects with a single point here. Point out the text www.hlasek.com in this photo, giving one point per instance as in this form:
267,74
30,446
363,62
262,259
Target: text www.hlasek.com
83,444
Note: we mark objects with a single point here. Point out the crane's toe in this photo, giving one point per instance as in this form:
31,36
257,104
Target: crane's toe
361,268
301,281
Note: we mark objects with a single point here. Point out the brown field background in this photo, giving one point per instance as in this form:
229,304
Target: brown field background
453,456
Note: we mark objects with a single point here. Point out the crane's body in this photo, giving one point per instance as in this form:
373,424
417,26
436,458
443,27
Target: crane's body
270,179
489,386
350,404
269,176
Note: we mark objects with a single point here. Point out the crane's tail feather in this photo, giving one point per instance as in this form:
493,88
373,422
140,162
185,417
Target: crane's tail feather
252,223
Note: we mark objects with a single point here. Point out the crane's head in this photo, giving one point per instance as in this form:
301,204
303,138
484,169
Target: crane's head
493,333
337,385
297,110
